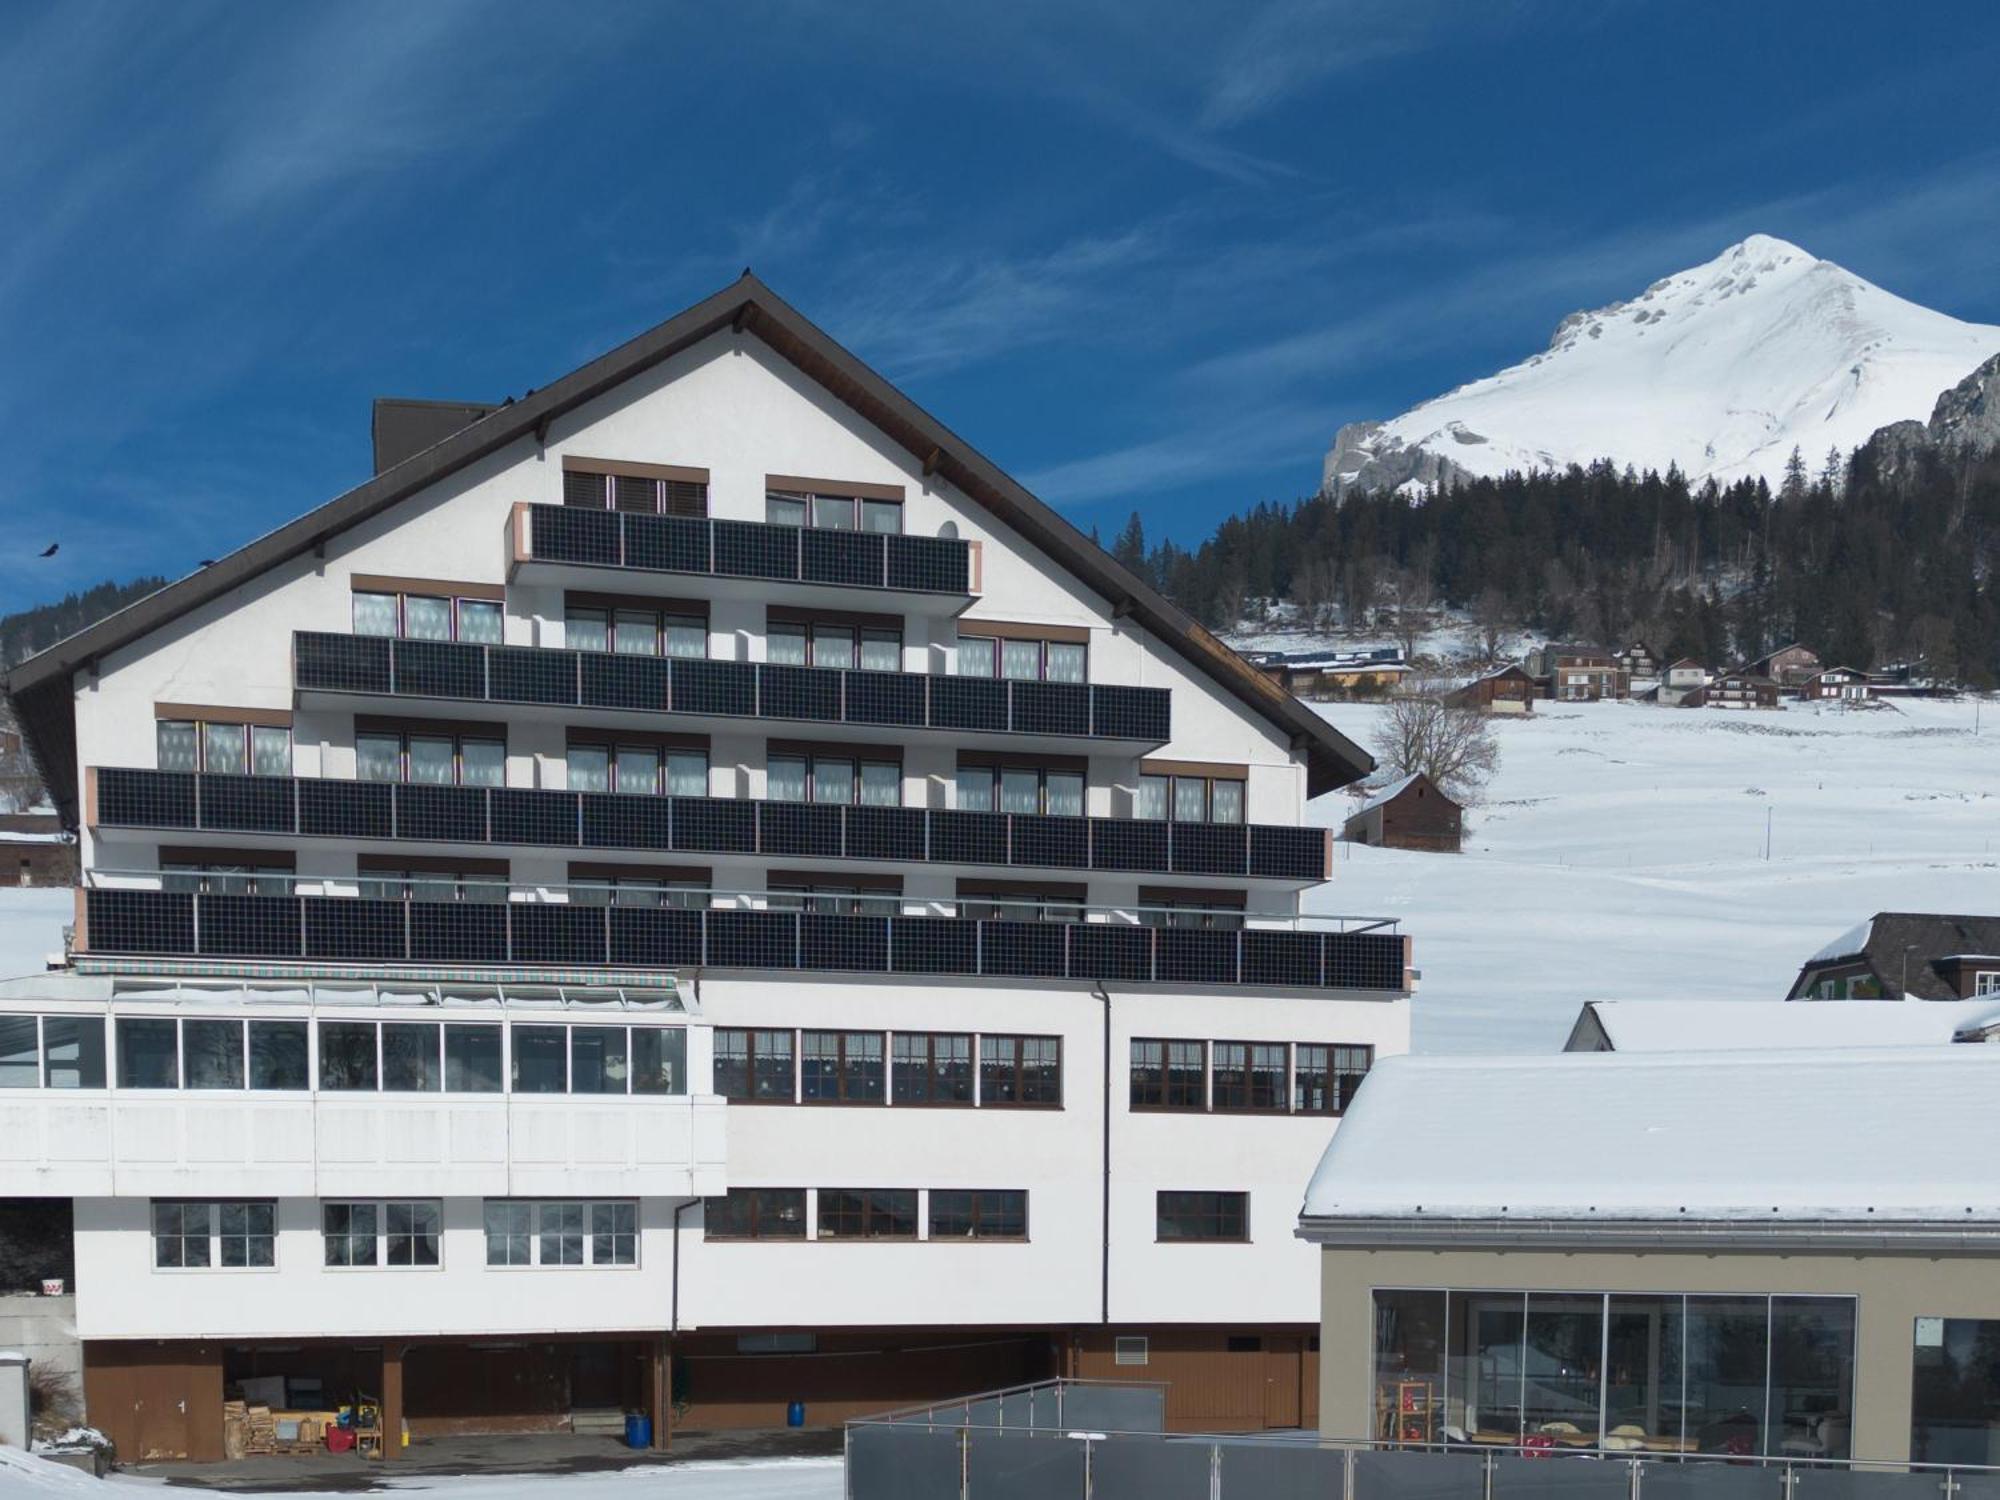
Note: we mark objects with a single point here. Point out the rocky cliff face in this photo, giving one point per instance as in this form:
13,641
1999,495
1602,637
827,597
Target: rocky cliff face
1965,419
1364,458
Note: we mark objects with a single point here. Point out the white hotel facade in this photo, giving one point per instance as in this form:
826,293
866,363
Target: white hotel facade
692,891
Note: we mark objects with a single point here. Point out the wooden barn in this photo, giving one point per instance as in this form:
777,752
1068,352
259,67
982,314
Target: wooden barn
1505,690
1408,814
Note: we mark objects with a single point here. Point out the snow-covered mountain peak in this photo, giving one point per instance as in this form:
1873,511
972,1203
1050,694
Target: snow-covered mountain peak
1721,369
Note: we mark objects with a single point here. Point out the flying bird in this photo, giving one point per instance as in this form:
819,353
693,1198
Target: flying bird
50,550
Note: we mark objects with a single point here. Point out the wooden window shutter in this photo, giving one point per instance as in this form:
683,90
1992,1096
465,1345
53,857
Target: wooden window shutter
685,497
583,489
639,495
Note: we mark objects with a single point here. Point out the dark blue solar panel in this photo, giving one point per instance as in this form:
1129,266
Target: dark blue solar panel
1128,844
1210,849
446,814
346,928
753,940
801,828
345,809
854,945
656,936
567,533
1280,853
549,932
1025,950
525,815
626,821
798,693
1118,712
1194,955
928,564
968,838
1050,708
666,544
153,922
458,932
1110,950
1281,958
714,687
230,926
1363,960
628,682
531,674
968,703
128,798
852,558
892,833
1050,842
439,669
340,663
750,549
886,698
247,804
933,945
714,825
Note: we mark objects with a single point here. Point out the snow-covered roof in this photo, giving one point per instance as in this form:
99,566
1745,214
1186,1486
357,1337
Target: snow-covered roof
1388,793
1863,1135
1745,1025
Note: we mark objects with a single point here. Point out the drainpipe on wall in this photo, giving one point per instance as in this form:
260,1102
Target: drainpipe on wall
1104,1188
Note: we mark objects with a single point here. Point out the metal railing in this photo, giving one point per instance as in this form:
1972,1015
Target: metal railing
696,686
327,807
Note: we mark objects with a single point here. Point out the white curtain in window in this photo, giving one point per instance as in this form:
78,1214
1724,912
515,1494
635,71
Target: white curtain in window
271,751
1190,799
374,614
1151,801
1066,662
785,510
589,769
786,645
378,757
882,516
833,513
636,633
587,630
687,636
833,781
687,773
786,779
881,651
1226,802
975,788
479,620
175,739
222,748
881,784
638,770
427,619
430,760
833,646
1020,791
483,763
977,656
1021,660
1065,794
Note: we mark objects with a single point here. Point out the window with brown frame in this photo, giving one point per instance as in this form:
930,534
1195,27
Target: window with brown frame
1172,906
1168,1074
841,1067
1325,1077
1196,1216
223,747
640,489
1024,1071
755,1066
846,643
833,512
867,1213
636,766
1248,1077
985,786
417,614
638,628
862,778
978,1214
755,1214
1019,901
1190,799
1022,659
849,898
931,1068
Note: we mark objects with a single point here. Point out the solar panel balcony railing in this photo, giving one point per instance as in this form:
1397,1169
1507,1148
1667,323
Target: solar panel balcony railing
389,666
741,931
398,812
753,550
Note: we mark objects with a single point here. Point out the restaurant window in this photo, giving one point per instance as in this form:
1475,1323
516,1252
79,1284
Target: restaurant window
833,512
664,492
637,769
978,1214
204,1235
148,1053
1249,1076
397,1233
57,1052
838,780
1020,1070
755,1214
931,1068
1189,799
1325,1078
841,1067
1022,660
754,1065
1193,1216
814,643
222,748
1020,789
1955,1391
431,757
1168,1074
635,631
428,617
564,1232
472,1058
867,1213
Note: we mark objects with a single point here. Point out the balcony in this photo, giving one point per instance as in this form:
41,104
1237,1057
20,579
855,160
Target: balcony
595,686
565,545
137,923
378,812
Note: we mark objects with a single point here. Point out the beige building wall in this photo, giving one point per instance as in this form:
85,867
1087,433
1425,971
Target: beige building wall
1892,1292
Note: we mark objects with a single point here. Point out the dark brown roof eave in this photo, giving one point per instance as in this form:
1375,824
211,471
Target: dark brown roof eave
1332,759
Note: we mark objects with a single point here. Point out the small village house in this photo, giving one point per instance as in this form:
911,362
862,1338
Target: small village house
1412,813
1734,689
1638,661
1369,671
1504,690
1572,673
1788,666
1836,684
1924,955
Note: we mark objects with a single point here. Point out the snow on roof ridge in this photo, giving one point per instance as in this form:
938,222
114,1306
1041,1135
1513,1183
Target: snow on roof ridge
1387,794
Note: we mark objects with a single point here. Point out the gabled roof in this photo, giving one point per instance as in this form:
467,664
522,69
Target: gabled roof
1394,790
40,686
1927,937
1768,1025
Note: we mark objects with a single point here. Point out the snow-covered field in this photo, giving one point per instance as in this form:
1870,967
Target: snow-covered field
1619,854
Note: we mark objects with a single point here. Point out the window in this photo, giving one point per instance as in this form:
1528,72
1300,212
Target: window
1324,1078
665,491
638,768
1184,1217
225,878
1020,789
561,1233
432,885
636,890
471,1058
931,1068
1986,982
412,1057
148,1053
754,1065
221,748
840,1067
636,631
57,1052
431,758
1020,1070
348,1233
597,1060
541,1060
1130,1349
233,1236
1175,909
867,1213
837,779
978,1214
833,512
1248,1076
755,1214
1169,1074
833,900
1189,799
347,1056
1022,659
196,1054
801,643
278,1055
212,1054
1014,902
398,1233
428,617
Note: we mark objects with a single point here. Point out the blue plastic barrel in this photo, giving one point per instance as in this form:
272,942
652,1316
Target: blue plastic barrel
638,1430
795,1414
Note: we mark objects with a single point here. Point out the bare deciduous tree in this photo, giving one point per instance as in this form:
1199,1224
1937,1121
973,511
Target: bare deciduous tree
1450,743
1410,597
1491,614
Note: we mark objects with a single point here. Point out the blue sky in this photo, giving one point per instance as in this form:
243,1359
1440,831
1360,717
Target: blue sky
1146,256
